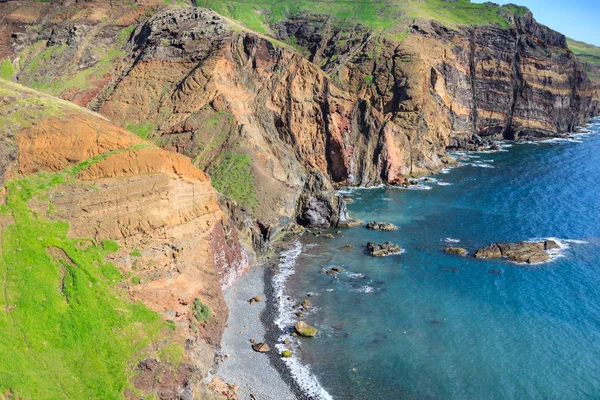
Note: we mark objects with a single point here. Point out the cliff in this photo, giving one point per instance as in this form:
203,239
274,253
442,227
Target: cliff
278,118
102,228
273,104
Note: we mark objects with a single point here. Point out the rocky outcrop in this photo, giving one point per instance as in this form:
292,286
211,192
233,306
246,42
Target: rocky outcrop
456,250
520,252
384,249
381,226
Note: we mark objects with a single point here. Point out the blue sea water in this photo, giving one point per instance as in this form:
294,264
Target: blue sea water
429,325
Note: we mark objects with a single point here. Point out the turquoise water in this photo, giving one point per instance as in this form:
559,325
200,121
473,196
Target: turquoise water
429,325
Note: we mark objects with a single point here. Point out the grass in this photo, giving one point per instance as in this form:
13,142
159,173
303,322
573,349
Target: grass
6,69
379,15
67,331
587,53
142,130
202,311
172,353
136,253
232,176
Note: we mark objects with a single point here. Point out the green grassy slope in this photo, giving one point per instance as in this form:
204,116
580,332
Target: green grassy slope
380,15
586,52
67,328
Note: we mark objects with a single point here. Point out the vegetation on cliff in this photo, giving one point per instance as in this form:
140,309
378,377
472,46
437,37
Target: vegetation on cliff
70,327
68,331
379,15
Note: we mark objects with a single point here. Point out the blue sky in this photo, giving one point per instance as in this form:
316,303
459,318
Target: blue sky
577,19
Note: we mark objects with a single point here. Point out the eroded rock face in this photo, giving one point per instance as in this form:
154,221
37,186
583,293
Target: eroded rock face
149,200
217,93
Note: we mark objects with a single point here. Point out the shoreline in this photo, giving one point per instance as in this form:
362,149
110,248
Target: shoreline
277,379
263,375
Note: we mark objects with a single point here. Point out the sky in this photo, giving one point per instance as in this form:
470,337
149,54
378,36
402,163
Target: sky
577,19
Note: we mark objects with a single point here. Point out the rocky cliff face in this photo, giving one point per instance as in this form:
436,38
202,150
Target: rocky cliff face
453,86
175,242
352,107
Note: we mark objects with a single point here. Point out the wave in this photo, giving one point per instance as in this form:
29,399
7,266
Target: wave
451,240
285,317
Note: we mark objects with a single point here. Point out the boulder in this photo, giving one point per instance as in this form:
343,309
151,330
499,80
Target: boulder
456,250
327,236
306,304
381,226
303,329
255,299
286,353
261,347
384,249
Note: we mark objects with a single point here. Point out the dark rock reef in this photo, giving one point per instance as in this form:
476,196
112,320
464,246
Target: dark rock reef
384,249
520,252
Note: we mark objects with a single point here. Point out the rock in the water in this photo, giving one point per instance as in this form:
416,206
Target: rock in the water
384,249
306,304
551,245
489,251
349,223
286,353
261,347
255,299
520,252
381,226
346,247
337,269
348,199
303,329
456,250
327,236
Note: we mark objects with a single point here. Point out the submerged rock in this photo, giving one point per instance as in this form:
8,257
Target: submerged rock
520,252
286,353
381,226
327,236
384,249
261,347
303,329
346,247
456,250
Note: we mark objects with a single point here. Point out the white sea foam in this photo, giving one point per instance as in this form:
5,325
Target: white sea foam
564,244
364,289
444,184
355,275
451,240
285,318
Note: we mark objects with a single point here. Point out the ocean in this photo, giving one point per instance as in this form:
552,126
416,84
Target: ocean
430,325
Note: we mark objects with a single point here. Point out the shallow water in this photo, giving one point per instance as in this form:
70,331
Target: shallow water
430,325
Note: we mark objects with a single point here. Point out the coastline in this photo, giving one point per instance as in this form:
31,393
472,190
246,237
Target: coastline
269,376
262,375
